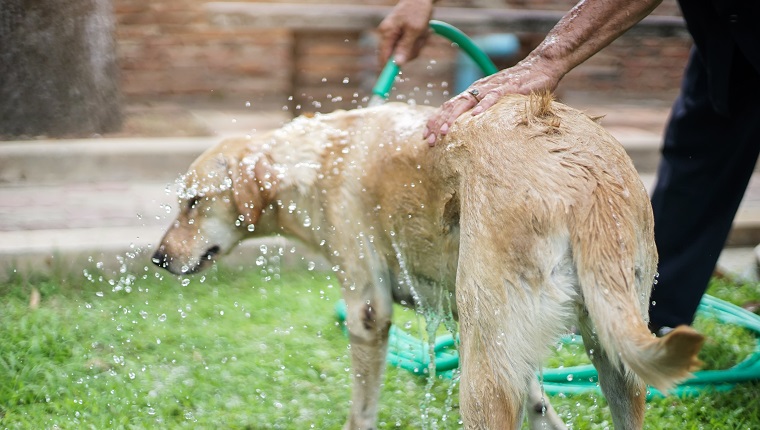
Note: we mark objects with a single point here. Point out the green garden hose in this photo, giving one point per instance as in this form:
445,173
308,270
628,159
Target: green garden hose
384,82
413,354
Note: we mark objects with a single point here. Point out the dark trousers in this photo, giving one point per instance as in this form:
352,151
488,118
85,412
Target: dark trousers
707,161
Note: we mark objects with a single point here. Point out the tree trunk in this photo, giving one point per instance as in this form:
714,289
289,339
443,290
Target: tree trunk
58,68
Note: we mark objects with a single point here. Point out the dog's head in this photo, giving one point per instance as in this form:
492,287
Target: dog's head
221,199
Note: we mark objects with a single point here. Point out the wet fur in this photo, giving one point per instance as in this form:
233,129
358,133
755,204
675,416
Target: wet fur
522,221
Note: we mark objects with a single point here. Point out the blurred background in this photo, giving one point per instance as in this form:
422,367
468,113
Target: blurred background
104,103
117,59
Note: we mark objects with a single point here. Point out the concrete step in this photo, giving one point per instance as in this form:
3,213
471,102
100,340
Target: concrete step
98,160
74,201
42,225
114,249
86,205
164,159
118,250
125,159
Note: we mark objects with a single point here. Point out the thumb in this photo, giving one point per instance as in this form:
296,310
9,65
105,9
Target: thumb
405,49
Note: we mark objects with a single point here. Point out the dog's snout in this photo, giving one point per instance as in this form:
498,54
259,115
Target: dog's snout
160,258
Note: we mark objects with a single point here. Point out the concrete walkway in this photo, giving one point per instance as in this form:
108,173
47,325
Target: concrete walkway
67,202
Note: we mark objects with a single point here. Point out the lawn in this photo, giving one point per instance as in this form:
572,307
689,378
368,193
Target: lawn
256,349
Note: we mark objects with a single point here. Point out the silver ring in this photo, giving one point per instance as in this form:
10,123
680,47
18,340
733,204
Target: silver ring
475,93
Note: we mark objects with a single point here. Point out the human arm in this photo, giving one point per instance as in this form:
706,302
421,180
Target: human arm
404,31
582,32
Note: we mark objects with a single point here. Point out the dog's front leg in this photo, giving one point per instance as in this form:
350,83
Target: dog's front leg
369,311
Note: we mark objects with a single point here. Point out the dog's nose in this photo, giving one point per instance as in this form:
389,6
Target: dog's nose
160,258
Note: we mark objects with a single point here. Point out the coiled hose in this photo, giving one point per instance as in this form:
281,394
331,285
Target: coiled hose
413,354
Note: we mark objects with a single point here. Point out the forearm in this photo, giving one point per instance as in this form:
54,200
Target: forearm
586,29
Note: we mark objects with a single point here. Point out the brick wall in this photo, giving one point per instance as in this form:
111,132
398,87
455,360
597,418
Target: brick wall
171,48
167,47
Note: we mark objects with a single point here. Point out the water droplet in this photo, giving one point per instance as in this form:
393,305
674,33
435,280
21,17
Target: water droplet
570,377
185,282
311,265
162,317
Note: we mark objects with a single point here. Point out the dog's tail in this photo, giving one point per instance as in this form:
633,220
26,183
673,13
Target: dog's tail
616,296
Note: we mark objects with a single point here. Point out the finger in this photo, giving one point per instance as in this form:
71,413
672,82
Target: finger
440,123
417,46
454,111
388,40
404,49
486,102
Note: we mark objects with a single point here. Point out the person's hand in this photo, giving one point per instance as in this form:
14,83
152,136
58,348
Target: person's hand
404,31
525,77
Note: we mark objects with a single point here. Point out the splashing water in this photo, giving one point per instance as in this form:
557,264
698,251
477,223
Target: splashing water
434,313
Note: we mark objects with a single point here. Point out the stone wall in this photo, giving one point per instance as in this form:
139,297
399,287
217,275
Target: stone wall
325,59
58,70
167,47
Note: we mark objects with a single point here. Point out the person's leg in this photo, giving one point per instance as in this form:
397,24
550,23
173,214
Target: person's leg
707,162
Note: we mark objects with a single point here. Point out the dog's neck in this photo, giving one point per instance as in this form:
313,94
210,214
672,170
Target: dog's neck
303,153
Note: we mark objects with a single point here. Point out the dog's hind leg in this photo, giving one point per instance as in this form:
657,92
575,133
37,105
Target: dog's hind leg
624,391
485,402
501,343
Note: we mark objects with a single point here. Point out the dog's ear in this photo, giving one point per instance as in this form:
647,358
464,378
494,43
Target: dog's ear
254,184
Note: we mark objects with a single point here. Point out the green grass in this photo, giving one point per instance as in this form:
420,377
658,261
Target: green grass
256,350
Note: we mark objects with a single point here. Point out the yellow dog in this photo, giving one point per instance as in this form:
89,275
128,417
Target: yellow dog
523,220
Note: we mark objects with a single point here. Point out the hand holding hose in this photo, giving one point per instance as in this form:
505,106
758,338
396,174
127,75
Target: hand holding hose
405,30
583,31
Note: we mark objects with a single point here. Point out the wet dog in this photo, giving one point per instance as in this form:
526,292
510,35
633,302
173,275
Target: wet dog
522,221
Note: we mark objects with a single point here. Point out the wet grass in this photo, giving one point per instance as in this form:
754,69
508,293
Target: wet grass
252,350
